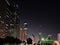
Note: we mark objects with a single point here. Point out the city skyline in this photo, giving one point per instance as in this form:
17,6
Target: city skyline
41,16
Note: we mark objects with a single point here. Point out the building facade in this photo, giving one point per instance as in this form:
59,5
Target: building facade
3,7
9,19
22,34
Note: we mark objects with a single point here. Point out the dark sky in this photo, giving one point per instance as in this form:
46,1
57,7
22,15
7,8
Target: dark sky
41,16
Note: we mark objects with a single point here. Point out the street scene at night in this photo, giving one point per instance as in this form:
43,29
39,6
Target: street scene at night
29,22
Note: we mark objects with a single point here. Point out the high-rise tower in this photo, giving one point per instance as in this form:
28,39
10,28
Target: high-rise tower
26,29
9,19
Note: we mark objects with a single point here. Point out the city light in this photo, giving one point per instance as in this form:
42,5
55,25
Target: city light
7,2
33,27
11,24
7,25
42,39
25,23
40,33
25,28
2,22
0,16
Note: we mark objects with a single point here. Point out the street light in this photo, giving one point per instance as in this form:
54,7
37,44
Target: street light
42,39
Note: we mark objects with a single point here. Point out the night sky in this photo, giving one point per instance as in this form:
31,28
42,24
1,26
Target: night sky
41,16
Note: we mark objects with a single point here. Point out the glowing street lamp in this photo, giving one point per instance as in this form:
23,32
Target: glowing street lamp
42,39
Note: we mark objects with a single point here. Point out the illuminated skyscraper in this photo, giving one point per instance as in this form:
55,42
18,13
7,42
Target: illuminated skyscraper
21,35
26,30
9,19
3,6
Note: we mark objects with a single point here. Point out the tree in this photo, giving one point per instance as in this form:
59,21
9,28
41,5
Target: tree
29,41
9,39
1,41
17,41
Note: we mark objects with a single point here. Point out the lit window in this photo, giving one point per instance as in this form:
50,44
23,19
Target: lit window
6,27
2,21
0,16
6,24
7,16
25,28
11,24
